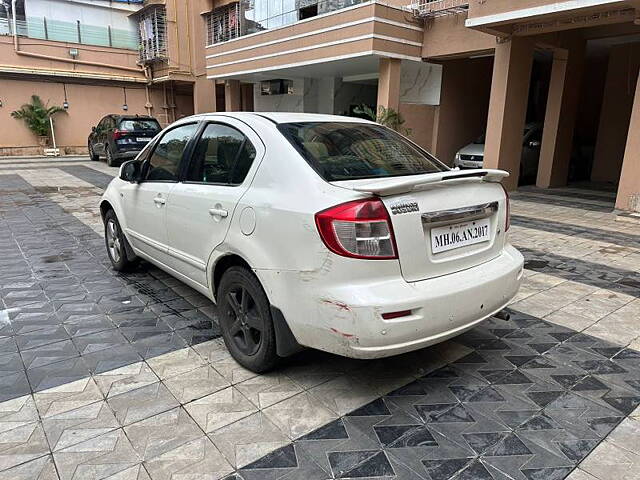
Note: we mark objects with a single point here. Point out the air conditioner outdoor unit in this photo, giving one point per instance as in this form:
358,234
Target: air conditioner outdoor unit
276,87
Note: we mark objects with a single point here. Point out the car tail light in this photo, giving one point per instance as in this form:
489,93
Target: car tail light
507,202
118,134
358,229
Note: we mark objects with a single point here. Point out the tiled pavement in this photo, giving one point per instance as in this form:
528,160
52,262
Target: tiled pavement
125,377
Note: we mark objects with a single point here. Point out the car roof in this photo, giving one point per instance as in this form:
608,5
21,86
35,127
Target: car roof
283,117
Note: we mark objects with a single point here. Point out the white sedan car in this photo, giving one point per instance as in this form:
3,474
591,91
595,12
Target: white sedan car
315,231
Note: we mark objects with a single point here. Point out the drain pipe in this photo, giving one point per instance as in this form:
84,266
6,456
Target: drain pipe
14,23
149,78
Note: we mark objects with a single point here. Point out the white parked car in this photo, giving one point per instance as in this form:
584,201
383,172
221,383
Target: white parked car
315,230
472,155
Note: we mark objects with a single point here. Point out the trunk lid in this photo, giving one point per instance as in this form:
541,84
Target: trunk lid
443,222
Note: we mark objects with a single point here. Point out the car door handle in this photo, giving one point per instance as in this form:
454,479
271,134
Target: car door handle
218,211
159,201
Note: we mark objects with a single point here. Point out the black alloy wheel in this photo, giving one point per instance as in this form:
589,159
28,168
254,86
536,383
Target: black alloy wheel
245,320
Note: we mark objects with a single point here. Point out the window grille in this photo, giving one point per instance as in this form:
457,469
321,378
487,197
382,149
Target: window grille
438,8
224,23
152,31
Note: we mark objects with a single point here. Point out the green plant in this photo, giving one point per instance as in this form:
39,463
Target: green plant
385,116
36,115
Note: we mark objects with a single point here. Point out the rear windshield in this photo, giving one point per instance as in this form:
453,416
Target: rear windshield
350,151
138,124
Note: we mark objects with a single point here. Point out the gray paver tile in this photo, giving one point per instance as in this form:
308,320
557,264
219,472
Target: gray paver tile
299,415
17,412
161,433
196,460
216,353
75,426
67,396
175,362
98,458
220,409
267,389
39,469
21,445
48,354
248,439
124,379
609,461
145,402
196,383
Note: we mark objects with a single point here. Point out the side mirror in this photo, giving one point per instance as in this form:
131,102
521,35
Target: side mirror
130,171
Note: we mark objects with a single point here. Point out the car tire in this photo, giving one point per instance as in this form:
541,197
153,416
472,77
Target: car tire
245,320
110,160
116,244
92,155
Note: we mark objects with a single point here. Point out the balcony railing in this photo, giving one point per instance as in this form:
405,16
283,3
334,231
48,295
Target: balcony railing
438,8
48,29
251,16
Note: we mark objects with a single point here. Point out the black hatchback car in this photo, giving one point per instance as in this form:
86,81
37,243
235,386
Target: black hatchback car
121,137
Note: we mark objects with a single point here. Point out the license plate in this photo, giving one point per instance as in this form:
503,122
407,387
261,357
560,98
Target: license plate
459,235
143,139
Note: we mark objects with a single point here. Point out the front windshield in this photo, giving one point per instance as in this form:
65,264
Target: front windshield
482,138
351,151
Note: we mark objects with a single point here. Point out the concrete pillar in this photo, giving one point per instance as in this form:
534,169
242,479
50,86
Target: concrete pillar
389,83
508,107
204,95
232,95
560,116
617,103
629,187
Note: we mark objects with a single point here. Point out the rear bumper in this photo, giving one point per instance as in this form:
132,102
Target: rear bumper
346,318
126,155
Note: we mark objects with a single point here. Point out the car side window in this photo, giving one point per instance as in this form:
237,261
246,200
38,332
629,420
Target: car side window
164,161
223,156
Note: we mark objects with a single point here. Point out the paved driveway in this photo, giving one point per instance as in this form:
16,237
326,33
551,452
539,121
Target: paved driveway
109,376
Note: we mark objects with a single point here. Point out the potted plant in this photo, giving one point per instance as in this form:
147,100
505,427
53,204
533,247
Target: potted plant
385,116
36,115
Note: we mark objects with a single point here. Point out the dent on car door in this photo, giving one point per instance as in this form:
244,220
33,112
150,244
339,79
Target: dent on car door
204,203
145,203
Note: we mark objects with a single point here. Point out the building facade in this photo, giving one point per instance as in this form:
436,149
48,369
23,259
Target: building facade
458,71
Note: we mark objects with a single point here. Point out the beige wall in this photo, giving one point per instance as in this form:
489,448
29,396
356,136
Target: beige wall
72,128
59,62
420,120
447,36
624,62
464,102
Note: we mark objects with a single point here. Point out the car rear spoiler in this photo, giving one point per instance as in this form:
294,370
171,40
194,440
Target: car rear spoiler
406,184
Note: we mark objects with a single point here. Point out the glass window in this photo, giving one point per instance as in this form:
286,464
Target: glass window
350,151
165,159
138,124
223,156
